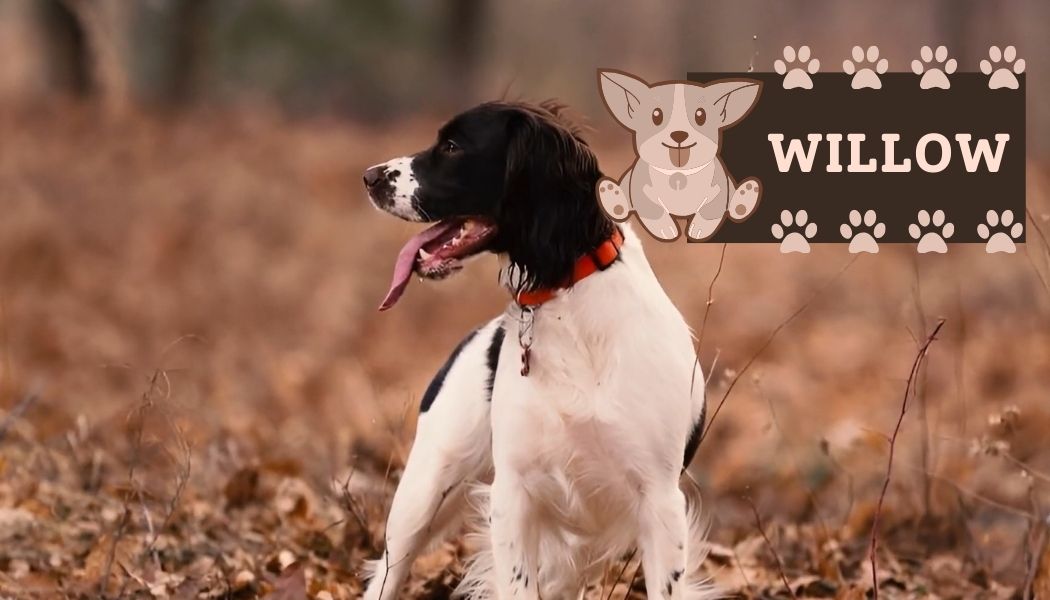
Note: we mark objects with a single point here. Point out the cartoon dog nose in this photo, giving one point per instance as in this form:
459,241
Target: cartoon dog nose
374,175
679,136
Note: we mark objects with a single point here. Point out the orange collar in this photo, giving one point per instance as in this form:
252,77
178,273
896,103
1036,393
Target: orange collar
599,259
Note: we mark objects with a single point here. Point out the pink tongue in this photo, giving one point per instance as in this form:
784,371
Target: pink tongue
406,260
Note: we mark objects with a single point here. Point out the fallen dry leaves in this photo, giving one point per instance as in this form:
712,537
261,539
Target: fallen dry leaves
198,401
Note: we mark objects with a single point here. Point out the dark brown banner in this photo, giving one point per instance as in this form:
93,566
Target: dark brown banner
928,175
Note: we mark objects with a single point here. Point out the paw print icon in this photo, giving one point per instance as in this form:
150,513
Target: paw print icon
934,67
1002,67
866,68
1000,232
931,231
794,232
797,68
863,231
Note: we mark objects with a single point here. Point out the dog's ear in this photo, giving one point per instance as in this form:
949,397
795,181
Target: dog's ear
622,94
548,214
732,99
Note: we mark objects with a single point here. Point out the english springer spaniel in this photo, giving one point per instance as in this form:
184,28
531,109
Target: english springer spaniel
581,401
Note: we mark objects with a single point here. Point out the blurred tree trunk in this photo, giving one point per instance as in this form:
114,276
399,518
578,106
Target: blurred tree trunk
464,24
955,25
190,21
103,24
66,49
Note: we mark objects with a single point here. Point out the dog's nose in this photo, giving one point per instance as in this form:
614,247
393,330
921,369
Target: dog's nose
679,136
374,175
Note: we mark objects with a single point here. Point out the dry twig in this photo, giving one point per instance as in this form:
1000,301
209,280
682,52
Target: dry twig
916,365
769,544
767,342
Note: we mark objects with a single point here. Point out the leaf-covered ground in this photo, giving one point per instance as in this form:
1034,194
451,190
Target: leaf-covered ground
197,398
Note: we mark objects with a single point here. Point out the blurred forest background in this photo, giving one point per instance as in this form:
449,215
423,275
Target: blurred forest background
198,399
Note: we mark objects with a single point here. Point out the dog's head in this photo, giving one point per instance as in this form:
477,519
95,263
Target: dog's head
508,178
677,125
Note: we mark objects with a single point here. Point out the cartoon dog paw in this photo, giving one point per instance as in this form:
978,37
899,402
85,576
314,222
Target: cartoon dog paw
1002,240
795,234
613,200
745,199
664,228
865,72
860,240
931,232
700,228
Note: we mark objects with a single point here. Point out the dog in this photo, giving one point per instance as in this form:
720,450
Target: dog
565,422
678,172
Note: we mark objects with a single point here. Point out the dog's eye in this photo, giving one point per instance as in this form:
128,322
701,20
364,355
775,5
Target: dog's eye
448,147
658,116
700,116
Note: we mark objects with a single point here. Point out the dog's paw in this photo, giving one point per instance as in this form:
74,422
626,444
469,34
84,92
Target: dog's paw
613,200
745,199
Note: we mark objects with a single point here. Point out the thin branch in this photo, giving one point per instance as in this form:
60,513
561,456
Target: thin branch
1037,544
623,570
16,413
769,340
924,404
769,544
825,448
1046,250
707,312
785,445
1006,508
634,578
916,365
137,420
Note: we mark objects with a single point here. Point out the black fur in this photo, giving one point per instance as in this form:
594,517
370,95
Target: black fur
492,356
694,438
439,378
528,170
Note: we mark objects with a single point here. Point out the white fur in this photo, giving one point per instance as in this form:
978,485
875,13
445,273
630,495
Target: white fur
587,449
404,185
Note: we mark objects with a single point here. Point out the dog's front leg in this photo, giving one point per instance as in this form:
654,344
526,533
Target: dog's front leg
514,551
663,540
451,450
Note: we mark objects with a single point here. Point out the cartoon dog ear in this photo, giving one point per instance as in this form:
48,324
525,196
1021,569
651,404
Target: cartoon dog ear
732,99
622,93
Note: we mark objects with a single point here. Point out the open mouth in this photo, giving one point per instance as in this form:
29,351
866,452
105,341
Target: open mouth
439,251
679,154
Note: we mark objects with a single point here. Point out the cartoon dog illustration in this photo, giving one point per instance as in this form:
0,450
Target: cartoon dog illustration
678,172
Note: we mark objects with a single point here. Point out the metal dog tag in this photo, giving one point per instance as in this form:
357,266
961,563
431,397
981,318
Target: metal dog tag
528,315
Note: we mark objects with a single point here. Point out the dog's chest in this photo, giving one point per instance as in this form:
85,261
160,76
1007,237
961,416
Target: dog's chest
573,419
